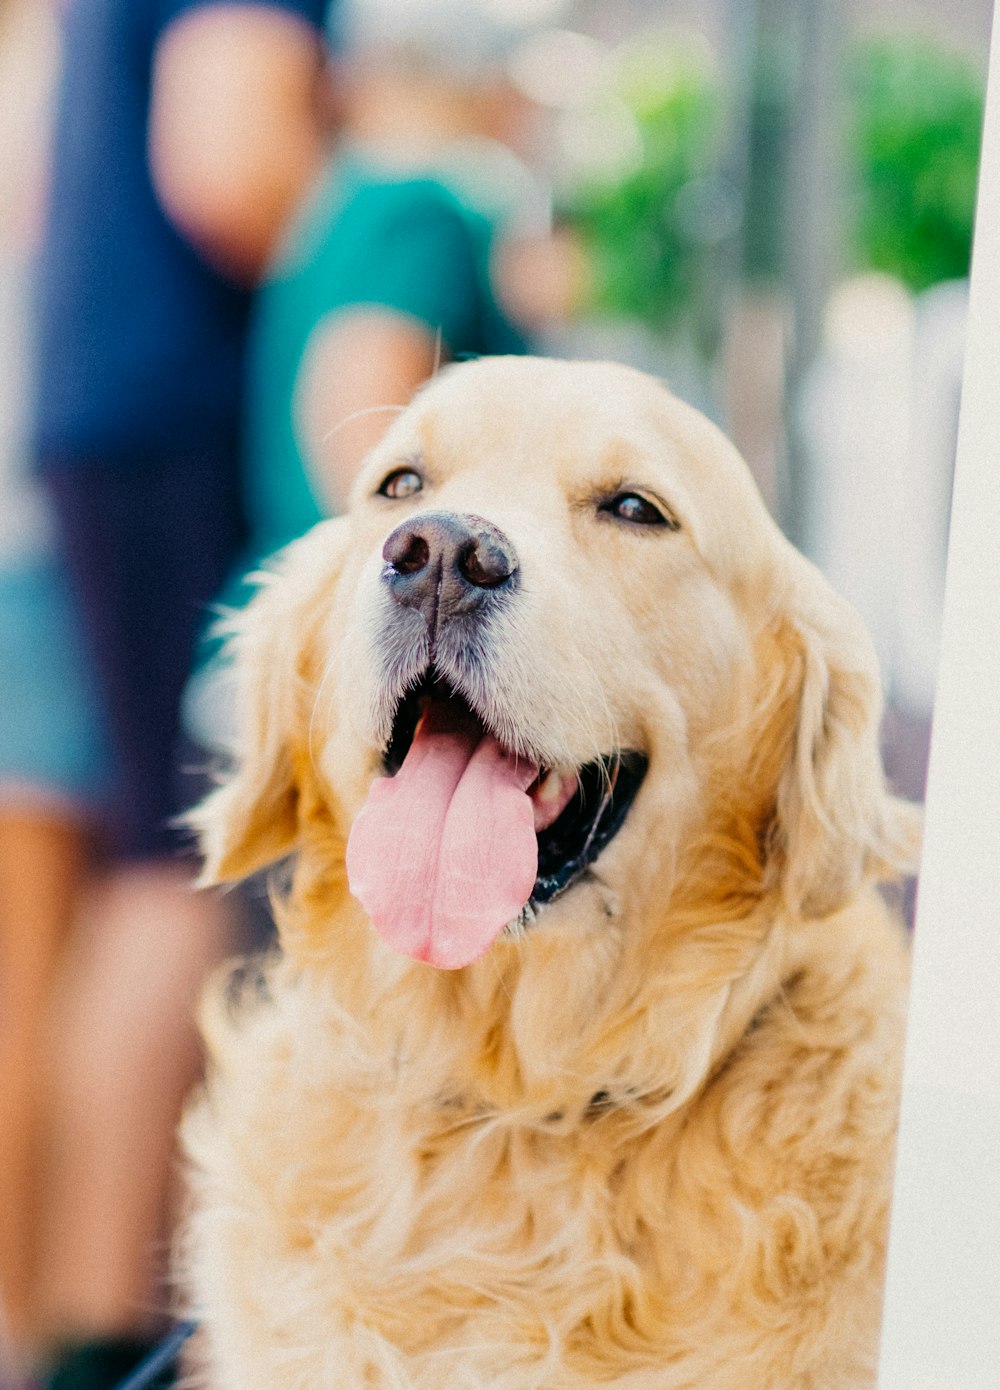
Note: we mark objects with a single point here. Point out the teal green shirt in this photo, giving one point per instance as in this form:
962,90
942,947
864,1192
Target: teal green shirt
409,244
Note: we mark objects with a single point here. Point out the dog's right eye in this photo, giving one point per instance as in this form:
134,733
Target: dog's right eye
401,483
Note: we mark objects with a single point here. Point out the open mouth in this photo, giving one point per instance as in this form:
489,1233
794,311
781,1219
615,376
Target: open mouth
576,813
464,837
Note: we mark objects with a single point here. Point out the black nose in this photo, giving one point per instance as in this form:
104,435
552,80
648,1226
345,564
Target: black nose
444,563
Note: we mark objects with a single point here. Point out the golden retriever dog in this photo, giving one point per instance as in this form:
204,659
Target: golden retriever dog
578,1065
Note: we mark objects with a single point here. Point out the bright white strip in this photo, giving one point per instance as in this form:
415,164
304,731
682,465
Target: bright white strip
942,1308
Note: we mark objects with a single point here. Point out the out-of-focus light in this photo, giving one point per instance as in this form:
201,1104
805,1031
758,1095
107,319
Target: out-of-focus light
868,315
468,37
708,210
526,12
650,64
561,69
601,142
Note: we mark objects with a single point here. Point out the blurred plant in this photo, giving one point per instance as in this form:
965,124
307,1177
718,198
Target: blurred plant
649,197
650,205
914,122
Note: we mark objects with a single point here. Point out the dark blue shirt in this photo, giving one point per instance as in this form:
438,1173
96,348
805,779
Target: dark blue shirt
140,342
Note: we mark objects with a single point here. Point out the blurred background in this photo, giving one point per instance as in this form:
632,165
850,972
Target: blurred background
774,199
768,203
777,201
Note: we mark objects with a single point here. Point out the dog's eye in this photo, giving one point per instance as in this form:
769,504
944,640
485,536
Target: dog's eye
401,483
637,510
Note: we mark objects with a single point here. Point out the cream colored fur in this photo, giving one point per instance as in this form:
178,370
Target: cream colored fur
648,1141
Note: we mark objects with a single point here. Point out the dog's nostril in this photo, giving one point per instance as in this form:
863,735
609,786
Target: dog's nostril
447,563
407,552
486,564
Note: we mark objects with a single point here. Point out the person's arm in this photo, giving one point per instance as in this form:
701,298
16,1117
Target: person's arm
236,130
359,368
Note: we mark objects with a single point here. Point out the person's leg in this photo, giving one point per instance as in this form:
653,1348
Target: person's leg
148,551
52,771
126,1054
43,863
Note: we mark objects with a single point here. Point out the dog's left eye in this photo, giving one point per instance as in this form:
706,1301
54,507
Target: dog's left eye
637,510
401,483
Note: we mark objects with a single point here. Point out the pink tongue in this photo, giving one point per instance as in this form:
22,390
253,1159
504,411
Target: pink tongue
443,855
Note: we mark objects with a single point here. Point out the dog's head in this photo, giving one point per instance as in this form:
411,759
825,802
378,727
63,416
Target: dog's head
557,667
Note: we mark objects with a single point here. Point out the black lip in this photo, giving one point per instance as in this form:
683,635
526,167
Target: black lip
594,816
596,812
404,725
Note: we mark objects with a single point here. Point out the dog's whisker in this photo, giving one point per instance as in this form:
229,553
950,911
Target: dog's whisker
438,349
501,980
614,737
324,686
360,415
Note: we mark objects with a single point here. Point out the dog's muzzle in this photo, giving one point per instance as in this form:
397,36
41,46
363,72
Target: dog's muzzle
470,829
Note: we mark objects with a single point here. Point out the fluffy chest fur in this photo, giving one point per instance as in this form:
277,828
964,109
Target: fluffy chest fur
379,1205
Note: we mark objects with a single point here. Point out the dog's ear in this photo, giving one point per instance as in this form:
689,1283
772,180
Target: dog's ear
835,820
251,820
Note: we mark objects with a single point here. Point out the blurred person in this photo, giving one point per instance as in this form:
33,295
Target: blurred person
186,130
52,756
424,228
390,268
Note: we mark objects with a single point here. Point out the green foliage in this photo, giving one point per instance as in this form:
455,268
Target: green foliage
657,228
915,116
649,228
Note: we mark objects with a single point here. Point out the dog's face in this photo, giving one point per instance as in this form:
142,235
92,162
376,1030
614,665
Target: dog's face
555,646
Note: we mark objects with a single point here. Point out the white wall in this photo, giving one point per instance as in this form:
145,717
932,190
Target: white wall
942,1310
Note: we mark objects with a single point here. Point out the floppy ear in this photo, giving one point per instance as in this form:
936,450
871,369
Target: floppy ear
251,820
836,822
